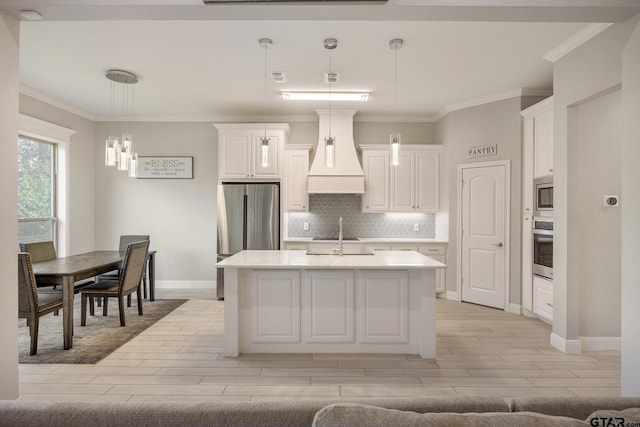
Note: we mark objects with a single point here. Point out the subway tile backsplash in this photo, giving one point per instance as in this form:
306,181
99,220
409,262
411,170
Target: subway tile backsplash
325,209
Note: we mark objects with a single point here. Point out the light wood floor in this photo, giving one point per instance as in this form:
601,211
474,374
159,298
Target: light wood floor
481,351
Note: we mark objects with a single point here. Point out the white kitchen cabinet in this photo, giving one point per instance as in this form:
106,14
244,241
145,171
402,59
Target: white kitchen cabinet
437,251
296,171
543,298
240,151
538,138
412,186
537,161
415,183
376,165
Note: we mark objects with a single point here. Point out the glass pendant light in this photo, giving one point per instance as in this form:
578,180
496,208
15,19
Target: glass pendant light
329,141
120,153
264,141
395,138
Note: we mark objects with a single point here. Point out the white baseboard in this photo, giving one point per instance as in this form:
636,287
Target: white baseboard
565,346
452,295
186,284
514,308
600,343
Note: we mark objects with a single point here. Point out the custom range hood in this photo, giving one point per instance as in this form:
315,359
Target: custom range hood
346,175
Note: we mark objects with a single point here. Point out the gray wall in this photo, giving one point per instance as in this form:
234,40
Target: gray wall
597,170
179,214
9,78
494,123
586,73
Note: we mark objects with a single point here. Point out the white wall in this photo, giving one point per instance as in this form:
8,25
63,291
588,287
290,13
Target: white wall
494,123
178,214
9,35
589,71
630,274
597,171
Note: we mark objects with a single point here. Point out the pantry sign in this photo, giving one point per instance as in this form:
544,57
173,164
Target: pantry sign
482,151
165,167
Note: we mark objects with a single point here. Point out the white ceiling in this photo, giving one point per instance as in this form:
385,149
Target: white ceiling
208,64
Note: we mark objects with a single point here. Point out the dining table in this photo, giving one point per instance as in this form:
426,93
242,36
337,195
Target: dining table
65,271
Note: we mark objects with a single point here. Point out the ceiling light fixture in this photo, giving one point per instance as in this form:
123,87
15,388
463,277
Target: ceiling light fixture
329,141
266,44
120,153
325,96
395,138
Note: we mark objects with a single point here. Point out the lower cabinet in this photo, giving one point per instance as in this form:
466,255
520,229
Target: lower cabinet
327,306
543,298
275,306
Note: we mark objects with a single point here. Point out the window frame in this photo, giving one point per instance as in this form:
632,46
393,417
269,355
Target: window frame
61,136
54,188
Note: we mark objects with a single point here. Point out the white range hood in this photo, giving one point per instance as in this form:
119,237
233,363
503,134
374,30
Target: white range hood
346,175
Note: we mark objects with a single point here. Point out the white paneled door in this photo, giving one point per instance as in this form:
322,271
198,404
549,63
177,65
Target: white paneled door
484,236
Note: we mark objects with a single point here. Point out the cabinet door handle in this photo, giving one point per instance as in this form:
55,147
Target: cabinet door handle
550,305
550,170
499,244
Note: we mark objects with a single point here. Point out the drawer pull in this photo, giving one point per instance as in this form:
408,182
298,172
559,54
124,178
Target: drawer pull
550,305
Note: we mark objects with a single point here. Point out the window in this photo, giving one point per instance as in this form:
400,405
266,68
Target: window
37,162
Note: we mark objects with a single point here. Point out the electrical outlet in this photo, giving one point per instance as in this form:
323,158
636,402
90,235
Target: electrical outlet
416,227
306,226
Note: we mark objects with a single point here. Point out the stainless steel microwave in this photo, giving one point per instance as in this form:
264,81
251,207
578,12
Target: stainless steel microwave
544,194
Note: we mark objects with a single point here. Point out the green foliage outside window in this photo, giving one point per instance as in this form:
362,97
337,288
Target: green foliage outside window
35,190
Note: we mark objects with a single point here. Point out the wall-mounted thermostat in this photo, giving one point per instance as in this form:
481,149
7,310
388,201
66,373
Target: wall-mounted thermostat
610,201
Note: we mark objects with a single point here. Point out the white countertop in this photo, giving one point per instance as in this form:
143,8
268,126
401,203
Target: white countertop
416,240
396,260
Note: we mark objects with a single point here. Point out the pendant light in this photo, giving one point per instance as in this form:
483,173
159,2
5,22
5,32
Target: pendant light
329,141
395,138
266,44
120,153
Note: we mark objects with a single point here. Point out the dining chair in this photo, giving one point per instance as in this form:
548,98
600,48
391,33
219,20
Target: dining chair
46,251
33,304
128,282
125,239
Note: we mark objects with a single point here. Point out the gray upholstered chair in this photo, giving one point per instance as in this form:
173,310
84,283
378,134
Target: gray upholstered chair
46,251
125,239
33,304
128,282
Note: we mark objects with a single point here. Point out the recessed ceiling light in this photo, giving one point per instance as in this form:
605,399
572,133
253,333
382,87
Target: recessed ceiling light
333,77
278,76
30,15
325,96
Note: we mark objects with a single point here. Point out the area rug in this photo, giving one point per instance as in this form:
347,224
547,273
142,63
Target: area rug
98,339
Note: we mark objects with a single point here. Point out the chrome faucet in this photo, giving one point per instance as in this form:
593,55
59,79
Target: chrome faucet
340,249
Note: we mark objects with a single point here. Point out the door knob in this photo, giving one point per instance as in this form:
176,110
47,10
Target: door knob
497,244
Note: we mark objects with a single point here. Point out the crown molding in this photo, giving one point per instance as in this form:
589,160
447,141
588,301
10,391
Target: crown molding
36,128
41,96
494,98
576,40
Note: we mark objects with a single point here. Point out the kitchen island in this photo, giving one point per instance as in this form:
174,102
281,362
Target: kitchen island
294,302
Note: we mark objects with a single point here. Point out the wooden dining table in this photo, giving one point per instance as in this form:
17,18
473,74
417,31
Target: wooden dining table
65,271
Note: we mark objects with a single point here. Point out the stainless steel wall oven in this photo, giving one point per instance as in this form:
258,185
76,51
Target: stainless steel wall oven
543,247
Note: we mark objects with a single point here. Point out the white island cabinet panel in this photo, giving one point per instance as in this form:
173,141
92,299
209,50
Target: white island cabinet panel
275,307
384,302
291,302
328,306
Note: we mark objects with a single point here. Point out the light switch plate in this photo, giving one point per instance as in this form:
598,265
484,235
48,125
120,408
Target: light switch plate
306,226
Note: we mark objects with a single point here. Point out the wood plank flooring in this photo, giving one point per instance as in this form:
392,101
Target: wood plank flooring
480,351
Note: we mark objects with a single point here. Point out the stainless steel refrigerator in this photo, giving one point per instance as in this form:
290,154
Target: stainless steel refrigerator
248,218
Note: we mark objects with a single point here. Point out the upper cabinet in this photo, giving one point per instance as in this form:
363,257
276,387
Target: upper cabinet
295,179
538,131
413,186
376,165
241,155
